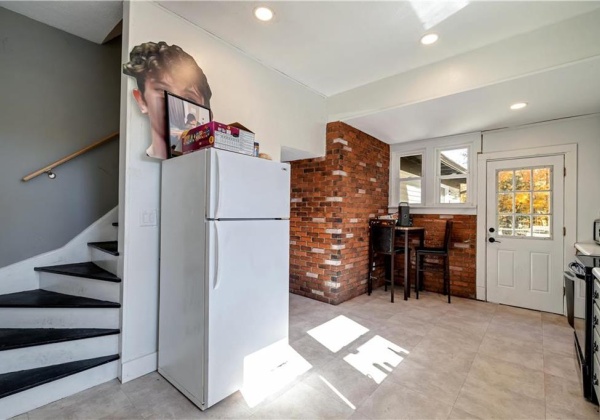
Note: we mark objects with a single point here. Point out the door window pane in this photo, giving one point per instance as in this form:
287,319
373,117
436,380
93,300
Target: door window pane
522,226
505,181
541,202
505,225
505,203
523,202
453,190
410,191
411,166
541,179
526,212
541,226
523,180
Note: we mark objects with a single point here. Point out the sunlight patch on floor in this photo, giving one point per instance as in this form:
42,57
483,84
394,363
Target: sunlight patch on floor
337,333
260,383
377,358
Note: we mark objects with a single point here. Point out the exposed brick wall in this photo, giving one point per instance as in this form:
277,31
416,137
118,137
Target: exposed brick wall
462,252
333,198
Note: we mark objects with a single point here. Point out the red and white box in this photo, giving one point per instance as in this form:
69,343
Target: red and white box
233,137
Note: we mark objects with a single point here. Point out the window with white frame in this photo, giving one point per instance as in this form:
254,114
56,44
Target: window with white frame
410,174
452,179
436,174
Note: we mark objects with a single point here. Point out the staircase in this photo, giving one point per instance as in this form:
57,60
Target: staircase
63,337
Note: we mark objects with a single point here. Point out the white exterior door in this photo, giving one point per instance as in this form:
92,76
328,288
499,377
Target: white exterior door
524,248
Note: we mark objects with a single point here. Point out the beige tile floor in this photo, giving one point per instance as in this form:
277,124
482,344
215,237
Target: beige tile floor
371,359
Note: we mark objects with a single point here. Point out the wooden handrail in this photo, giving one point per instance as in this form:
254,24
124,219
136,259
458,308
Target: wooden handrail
71,156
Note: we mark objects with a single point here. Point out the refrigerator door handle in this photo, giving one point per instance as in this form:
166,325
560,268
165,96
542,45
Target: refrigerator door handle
217,280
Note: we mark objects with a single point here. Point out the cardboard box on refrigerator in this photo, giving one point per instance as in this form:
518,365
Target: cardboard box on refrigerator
233,137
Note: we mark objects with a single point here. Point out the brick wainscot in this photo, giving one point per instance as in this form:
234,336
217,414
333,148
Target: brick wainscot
462,253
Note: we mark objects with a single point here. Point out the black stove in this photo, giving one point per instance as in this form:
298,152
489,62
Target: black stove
588,262
579,290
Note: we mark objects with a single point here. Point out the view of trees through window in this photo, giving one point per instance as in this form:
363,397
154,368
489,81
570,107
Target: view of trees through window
524,202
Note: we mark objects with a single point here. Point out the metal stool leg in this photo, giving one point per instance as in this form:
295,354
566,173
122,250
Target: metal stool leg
392,276
447,275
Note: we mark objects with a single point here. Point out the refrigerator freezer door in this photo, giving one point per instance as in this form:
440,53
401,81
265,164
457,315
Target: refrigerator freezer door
245,187
248,305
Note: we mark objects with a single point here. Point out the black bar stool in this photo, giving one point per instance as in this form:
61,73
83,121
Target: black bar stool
382,241
438,252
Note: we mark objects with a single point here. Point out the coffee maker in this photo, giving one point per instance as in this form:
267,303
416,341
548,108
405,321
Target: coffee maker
404,214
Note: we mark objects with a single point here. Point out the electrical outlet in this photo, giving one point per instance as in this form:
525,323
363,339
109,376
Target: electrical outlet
149,217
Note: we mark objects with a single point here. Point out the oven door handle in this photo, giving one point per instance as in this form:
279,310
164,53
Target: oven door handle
570,275
574,275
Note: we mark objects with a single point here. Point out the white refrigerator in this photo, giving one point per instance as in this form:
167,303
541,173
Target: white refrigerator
224,271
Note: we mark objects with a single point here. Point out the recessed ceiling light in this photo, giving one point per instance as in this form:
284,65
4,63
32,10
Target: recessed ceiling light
263,13
429,39
518,105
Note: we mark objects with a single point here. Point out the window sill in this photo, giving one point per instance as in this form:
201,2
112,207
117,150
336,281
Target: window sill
459,209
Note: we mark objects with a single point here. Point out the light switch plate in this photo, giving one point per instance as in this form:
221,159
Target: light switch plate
149,217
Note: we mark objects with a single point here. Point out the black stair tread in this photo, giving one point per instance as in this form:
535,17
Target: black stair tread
45,299
15,338
15,382
115,224
84,269
111,247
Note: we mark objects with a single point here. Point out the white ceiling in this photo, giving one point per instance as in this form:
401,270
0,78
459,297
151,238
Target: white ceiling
558,93
89,19
333,47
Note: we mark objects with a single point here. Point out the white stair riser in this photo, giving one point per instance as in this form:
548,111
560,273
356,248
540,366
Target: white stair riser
44,394
59,317
104,260
80,286
56,353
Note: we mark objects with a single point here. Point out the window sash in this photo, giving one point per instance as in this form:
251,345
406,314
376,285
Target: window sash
439,177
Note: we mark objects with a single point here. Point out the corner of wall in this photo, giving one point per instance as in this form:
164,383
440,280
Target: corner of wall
333,198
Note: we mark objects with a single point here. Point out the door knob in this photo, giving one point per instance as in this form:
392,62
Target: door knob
492,240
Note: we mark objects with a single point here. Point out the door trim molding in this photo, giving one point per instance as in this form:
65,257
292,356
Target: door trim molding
569,151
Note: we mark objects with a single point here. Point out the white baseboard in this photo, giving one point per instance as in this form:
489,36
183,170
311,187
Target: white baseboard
480,293
20,276
139,367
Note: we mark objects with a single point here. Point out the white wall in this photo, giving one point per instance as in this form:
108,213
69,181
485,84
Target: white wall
281,112
585,132
74,103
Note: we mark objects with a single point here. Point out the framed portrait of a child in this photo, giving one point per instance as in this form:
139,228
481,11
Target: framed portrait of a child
182,115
